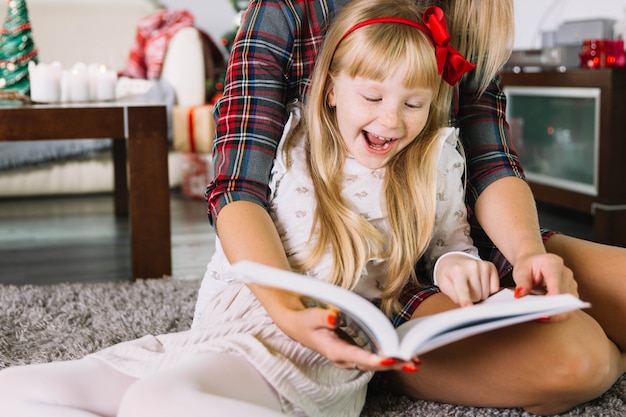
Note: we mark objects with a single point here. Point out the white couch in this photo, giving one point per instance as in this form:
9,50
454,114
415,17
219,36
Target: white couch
101,31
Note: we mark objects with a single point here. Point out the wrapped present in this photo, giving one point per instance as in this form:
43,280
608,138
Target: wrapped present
193,128
197,173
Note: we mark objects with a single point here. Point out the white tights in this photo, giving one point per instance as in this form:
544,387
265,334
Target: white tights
213,384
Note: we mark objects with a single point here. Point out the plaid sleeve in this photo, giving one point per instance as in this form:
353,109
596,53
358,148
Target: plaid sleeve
485,135
250,114
270,64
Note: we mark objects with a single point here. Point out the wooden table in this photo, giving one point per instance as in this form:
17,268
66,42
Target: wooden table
139,133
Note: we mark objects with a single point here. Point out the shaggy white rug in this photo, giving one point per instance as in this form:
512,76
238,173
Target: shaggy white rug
66,321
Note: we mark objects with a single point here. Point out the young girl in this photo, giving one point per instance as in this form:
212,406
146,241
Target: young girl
368,182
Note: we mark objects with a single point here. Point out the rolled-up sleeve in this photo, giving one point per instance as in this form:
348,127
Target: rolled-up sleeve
270,64
485,135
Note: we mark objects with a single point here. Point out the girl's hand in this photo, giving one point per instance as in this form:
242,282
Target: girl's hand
316,328
466,280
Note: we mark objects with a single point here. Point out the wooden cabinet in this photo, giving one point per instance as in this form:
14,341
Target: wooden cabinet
607,198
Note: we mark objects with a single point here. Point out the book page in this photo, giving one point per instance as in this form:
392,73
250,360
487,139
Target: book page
421,335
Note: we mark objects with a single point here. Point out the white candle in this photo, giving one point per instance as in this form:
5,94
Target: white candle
78,83
45,82
34,76
106,81
92,75
65,86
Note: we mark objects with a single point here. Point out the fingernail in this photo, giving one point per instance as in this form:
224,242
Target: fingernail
518,293
407,368
332,320
546,318
417,363
388,361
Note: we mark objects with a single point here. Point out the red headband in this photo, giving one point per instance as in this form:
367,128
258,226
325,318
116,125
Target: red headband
451,65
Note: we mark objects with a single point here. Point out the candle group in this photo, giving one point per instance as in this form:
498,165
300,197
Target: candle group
49,83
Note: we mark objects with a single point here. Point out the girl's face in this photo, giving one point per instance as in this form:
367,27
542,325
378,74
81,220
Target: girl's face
377,119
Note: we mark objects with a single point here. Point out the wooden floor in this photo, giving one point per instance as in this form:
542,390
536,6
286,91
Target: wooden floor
78,239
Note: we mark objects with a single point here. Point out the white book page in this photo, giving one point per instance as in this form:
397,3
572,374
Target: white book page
500,310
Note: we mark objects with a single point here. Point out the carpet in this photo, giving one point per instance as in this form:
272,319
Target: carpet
67,321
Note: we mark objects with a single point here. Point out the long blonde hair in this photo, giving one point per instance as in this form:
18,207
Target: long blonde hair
409,181
482,31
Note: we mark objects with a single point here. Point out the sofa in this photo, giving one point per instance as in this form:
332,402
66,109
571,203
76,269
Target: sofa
100,31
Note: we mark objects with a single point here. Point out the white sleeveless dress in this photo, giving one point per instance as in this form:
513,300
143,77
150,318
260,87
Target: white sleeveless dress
229,318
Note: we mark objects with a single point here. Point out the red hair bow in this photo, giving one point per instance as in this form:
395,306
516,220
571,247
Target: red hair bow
450,63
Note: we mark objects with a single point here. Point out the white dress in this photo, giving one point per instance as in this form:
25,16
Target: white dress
230,319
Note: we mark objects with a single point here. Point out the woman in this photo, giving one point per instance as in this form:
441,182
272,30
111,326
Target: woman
555,366
339,198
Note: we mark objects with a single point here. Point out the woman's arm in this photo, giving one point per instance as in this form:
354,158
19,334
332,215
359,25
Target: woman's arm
502,200
507,212
251,114
270,63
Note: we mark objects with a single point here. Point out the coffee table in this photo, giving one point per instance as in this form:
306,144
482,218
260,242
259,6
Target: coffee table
140,147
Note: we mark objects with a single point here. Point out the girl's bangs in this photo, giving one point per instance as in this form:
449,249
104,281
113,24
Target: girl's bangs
386,49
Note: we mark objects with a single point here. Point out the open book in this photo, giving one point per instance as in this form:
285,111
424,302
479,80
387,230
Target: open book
371,329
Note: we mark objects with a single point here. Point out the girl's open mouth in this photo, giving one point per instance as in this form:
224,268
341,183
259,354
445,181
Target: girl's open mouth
377,143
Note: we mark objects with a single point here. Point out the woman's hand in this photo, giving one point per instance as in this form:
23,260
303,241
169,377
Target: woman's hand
544,274
316,328
465,279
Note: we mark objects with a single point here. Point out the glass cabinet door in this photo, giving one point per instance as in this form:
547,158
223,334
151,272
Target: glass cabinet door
555,131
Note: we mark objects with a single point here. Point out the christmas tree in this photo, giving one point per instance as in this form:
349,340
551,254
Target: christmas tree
17,49
215,88
227,39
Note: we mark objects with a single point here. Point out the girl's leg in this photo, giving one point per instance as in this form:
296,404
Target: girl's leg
214,384
600,271
81,388
545,368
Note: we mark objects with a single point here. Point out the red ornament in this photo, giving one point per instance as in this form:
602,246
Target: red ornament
603,53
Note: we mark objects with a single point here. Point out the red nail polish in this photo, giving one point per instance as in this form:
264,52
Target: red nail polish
518,293
407,368
546,318
417,362
388,361
332,320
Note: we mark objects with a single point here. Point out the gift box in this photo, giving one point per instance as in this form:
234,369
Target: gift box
197,173
193,128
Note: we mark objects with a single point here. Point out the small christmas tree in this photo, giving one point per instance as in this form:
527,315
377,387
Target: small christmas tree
215,88
227,39
17,49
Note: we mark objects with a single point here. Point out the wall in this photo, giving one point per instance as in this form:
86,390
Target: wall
534,16
216,17
531,16
71,31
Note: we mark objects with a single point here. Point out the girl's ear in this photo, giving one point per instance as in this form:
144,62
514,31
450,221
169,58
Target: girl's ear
330,92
